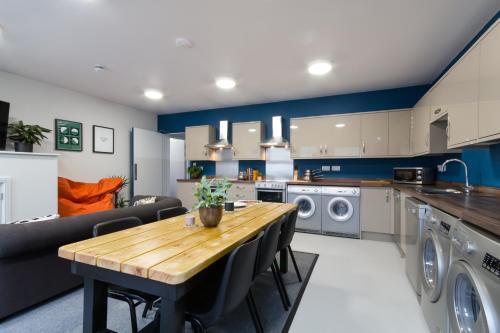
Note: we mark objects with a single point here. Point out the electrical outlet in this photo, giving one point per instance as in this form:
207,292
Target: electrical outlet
325,168
336,168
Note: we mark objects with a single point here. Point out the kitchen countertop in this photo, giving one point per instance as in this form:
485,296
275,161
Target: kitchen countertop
232,180
481,208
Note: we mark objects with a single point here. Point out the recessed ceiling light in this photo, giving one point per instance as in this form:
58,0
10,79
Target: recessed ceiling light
225,83
183,43
153,94
340,125
320,67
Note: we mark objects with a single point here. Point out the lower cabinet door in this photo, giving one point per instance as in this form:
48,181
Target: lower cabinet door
376,203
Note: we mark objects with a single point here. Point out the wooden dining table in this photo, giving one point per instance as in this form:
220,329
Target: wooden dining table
162,258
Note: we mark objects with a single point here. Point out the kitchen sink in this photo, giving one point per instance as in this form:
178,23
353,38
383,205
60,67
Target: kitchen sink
427,190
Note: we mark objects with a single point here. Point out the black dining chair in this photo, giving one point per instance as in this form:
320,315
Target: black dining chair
267,256
132,297
207,304
167,213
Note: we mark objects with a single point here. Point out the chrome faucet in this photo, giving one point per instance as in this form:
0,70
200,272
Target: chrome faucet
467,188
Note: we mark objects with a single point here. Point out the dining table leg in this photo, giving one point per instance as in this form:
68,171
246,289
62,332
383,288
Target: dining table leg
172,315
284,261
95,305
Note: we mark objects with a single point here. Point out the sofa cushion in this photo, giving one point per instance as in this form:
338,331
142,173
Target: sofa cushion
18,239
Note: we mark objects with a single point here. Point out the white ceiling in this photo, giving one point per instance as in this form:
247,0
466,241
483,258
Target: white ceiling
264,44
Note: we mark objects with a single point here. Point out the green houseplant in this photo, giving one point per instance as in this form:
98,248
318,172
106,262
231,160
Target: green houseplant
210,202
24,136
195,171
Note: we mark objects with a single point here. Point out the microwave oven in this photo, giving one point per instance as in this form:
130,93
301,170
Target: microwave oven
414,175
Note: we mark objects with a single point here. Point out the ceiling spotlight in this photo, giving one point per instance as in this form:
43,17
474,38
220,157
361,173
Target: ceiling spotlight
153,94
225,83
183,43
320,67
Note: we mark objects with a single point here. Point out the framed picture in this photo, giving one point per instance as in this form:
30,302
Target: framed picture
68,135
104,139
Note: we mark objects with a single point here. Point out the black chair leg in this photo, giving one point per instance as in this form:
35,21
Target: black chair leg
278,285
294,263
148,306
133,315
280,279
253,312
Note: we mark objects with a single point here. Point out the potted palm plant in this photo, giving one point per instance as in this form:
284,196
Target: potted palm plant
24,136
210,202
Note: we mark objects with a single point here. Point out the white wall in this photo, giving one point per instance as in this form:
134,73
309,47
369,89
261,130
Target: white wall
40,103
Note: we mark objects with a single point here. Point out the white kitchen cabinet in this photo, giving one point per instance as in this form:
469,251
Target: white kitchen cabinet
374,134
196,137
343,136
376,210
307,136
399,133
489,86
185,193
420,130
242,191
247,138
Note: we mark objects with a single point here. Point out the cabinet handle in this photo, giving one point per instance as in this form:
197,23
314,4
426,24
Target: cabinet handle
234,152
321,149
326,149
386,195
135,171
364,147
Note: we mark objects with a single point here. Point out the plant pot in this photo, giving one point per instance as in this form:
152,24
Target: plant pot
210,217
23,147
195,175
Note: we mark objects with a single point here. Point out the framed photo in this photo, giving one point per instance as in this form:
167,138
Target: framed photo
104,140
68,135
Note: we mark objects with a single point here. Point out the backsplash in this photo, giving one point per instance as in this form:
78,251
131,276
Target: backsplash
483,163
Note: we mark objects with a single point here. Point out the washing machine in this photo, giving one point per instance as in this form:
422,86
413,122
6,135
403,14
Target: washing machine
434,261
340,213
308,199
473,291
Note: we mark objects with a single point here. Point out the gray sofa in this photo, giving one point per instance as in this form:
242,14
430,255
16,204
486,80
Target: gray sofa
30,270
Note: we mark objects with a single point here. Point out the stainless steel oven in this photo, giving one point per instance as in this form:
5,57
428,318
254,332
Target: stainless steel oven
271,191
414,175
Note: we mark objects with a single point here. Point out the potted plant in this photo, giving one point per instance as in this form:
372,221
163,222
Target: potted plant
195,171
210,203
24,136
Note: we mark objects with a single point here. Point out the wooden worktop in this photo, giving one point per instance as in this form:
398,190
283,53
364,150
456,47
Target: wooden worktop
232,180
481,209
167,250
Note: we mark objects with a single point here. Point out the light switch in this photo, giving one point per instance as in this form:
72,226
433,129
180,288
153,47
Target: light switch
336,168
325,168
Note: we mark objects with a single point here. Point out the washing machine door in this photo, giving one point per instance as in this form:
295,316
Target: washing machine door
469,306
433,265
340,209
306,205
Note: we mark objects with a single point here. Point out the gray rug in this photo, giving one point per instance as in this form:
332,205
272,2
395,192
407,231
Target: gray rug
64,314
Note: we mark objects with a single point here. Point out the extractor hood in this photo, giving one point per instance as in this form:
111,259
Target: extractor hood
222,143
277,139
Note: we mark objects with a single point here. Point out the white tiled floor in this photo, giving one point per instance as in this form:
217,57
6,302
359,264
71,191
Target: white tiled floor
357,286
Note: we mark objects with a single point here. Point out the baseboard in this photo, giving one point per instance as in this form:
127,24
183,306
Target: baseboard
375,236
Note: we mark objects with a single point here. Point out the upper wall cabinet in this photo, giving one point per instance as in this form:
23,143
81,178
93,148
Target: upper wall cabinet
196,139
489,86
462,100
399,133
343,136
246,141
420,135
325,137
307,136
374,134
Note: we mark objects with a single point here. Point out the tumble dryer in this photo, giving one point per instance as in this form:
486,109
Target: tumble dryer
341,211
308,200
